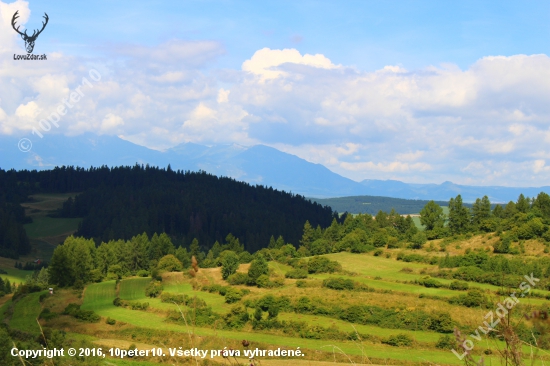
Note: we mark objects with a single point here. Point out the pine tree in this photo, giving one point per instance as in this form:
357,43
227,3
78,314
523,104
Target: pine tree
522,205
307,236
194,248
8,287
432,216
459,216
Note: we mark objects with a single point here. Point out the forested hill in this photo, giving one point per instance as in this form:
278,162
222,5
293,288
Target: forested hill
373,204
118,203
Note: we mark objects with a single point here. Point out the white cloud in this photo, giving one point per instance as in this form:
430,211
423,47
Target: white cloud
223,95
265,61
110,122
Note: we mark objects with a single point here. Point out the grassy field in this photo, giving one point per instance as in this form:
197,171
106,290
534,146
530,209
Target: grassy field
99,297
49,226
15,275
26,312
133,288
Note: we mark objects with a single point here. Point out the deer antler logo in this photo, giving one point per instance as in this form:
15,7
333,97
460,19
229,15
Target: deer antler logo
29,40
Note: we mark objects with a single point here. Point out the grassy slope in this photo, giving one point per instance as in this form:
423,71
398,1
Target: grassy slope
49,226
26,312
100,296
15,275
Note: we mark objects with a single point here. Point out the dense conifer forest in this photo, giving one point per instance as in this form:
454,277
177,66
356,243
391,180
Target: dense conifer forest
121,202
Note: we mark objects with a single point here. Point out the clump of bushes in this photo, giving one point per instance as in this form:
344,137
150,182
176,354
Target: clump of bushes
142,273
47,314
446,342
85,315
429,282
399,340
154,289
339,284
182,299
474,298
134,305
459,285
238,279
296,274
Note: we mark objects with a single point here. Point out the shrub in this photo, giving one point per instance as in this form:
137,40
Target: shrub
238,279
378,252
446,342
474,298
273,311
263,281
339,284
296,274
245,257
153,289
110,321
233,295
459,285
323,265
430,282
236,318
84,315
142,273
399,340
47,314
418,240
170,263
257,268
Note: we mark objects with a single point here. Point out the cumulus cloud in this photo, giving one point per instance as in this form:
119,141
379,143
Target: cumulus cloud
265,61
487,124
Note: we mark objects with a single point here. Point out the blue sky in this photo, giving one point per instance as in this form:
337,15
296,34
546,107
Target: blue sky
420,91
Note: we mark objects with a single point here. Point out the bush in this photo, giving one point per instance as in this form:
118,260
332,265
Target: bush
418,240
338,284
258,267
323,265
399,340
84,315
474,298
110,321
263,281
142,273
47,314
245,257
378,252
170,263
446,342
153,289
238,279
296,274
459,285
233,295
429,282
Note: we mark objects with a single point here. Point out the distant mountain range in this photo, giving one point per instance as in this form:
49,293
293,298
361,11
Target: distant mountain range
256,165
